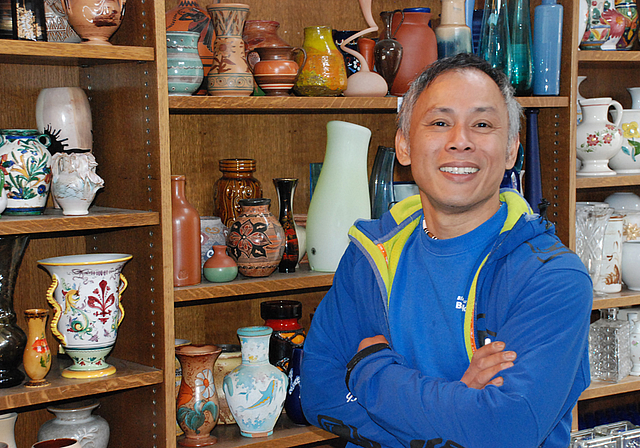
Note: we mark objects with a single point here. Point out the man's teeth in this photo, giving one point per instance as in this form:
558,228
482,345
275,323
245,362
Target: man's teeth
459,170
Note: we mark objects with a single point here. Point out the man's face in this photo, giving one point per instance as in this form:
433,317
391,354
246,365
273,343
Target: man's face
457,145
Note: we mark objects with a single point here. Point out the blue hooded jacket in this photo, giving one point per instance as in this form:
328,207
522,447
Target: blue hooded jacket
530,292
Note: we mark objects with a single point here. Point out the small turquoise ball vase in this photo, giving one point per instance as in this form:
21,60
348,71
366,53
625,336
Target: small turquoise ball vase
184,67
220,267
255,390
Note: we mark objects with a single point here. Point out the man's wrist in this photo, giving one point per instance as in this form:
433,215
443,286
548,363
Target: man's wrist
361,355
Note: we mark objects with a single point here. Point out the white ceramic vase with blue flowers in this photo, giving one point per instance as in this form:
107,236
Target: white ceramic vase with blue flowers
255,390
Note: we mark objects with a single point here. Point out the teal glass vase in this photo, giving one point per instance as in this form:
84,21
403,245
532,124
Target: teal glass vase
520,50
495,44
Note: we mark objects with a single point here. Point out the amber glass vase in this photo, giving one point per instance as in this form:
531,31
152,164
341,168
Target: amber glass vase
237,182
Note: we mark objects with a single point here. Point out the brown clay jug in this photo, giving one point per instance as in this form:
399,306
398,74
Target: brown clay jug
418,44
186,236
276,70
260,33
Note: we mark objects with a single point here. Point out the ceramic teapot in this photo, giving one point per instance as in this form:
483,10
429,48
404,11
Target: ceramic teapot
597,139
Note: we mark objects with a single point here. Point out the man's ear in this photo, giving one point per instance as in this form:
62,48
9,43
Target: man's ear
403,154
512,154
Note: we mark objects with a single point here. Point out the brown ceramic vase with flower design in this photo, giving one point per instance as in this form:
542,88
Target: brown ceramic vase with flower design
256,239
198,405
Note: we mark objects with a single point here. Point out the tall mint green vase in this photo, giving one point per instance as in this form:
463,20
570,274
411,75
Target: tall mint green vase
341,195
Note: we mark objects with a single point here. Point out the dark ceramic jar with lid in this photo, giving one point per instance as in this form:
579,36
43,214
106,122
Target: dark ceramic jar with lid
283,317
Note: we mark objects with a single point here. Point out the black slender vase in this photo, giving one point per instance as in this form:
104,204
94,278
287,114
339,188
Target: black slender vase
286,188
12,338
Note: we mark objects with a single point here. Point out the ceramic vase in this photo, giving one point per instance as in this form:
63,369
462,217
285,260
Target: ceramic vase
188,15
292,404
220,267
623,201
86,297
95,22
64,114
186,236
283,316
629,11
58,28
37,356
3,193
634,343
259,34
276,70
453,35
26,164
631,226
75,421
212,233
230,74
597,139
75,182
419,46
331,211
237,182
255,390
7,429
229,359
388,52
365,48
178,375
185,71
381,181
256,239
198,406
631,264
12,339
580,97
610,278
286,189
57,443
606,27
635,97
324,73
627,161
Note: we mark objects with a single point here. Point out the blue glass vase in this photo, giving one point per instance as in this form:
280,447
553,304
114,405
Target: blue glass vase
494,36
381,181
520,51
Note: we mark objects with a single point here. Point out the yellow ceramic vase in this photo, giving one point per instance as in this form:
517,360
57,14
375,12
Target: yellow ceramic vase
324,73
37,356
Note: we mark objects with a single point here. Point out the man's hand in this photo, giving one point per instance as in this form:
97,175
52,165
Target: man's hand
366,342
486,363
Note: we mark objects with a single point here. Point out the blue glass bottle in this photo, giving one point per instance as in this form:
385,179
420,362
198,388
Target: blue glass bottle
520,51
494,36
547,45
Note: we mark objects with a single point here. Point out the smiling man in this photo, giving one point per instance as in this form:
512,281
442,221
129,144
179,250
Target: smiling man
458,318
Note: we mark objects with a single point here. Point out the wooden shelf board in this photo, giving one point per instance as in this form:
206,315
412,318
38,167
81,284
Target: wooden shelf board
60,53
296,104
625,297
608,56
620,180
129,375
285,434
303,279
54,221
603,389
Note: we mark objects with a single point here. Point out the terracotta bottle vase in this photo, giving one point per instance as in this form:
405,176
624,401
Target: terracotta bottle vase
95,22
186,236
198,406
220,267
37,356
276,70
388,51
230,74
365,47
256,239
286,188
324,73
189,16
259,34
237,182
418,44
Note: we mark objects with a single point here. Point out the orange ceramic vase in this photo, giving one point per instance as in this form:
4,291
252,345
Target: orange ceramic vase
276,71
186,236
324,73
95,22
37,356
419,46
189,16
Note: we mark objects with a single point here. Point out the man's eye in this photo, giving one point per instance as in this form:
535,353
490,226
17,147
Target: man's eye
483,125
439,123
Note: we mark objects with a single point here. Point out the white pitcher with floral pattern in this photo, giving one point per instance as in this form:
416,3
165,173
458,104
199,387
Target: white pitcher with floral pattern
597,139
